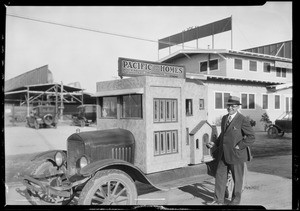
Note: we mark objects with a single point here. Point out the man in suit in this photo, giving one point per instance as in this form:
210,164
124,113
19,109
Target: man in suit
233,151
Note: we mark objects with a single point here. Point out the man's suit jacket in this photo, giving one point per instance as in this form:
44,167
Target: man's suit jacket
240,133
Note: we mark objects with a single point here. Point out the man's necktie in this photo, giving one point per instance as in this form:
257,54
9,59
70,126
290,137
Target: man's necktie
228,121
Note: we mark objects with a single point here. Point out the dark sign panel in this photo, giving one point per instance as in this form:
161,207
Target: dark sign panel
133,67
196,33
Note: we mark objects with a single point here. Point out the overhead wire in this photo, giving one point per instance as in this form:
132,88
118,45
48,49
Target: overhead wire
92,30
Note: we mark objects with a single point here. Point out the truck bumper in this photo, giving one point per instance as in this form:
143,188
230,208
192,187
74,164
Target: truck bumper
37,186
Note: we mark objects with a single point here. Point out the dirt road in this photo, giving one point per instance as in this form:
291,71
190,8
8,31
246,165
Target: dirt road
269,176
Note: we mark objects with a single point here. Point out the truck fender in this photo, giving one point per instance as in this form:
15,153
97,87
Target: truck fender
47,155
133,171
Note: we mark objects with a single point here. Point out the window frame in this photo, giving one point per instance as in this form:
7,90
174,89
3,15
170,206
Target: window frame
101,107
266,67
161,142
263,101
208,64
250,69
248,101
130,99
236,67
189,109
275,103
223,99
161,115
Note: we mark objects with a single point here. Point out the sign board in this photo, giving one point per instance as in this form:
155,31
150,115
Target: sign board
133,67
287,65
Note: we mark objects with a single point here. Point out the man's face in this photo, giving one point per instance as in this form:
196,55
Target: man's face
232,109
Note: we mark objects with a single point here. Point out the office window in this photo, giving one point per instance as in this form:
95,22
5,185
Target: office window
278,72
156,110
203,66
248,101
251,101
108,107
238,64
213,65
244,101
267,67
164,110
252,65
187,136
221,100
169,141
201,104
131,106
277,102
156,143
189,107
283,73
165,142
218,100
265,102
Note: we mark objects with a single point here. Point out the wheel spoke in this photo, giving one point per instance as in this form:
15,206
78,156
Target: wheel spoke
108,189
115,189
124,189
102,191
121,200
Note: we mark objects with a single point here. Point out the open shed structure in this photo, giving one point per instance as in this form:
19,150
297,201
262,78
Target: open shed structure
40,94
36,87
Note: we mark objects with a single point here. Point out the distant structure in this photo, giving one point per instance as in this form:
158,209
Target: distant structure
41,75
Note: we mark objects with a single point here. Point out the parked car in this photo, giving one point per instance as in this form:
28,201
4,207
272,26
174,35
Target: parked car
98,168
42,116
86,115
282,125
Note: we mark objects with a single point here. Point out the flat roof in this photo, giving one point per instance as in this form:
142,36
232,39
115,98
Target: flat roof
181,52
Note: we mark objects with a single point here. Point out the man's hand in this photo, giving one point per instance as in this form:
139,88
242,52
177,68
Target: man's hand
210,144
237,147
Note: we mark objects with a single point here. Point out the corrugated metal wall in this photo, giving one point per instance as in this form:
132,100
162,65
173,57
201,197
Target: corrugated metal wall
41,75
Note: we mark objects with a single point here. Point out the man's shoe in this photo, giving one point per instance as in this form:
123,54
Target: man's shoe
214,203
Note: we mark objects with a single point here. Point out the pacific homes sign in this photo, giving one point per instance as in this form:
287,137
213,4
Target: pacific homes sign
133,67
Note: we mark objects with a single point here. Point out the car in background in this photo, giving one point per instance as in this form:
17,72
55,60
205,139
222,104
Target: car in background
85,116
42,116
282,125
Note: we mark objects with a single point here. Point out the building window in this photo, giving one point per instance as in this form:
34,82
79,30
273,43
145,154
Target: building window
201,104
280,72
213,65
131,106
187,136
165,110
277,102
251,101
252,65
203,66
197,143
221,100
189,107
238,64
165,142
108,107
248,101
267,67
265,102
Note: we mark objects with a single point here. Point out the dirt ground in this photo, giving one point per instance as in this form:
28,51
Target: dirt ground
270,172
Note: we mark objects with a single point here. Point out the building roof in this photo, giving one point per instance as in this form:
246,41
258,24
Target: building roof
187,52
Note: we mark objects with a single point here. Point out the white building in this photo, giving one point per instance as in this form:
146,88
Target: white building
263,82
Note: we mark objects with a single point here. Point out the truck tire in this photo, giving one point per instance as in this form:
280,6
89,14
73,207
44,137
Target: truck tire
109,187
39,198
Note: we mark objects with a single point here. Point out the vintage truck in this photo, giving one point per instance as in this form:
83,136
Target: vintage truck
98,168
42,116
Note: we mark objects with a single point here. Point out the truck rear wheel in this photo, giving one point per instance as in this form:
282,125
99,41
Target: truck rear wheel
109,187
272,132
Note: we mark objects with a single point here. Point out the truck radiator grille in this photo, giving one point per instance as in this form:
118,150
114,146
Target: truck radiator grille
122,153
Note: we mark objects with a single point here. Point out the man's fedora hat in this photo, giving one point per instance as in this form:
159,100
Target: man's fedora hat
232,100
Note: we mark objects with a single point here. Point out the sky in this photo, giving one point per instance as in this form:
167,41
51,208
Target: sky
90,56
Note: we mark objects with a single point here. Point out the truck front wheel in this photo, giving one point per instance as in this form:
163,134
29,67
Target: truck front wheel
109,187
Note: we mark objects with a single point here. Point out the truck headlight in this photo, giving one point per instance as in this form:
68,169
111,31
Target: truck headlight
59,158
83,162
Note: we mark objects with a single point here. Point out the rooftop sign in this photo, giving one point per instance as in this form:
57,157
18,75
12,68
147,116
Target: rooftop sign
133,67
